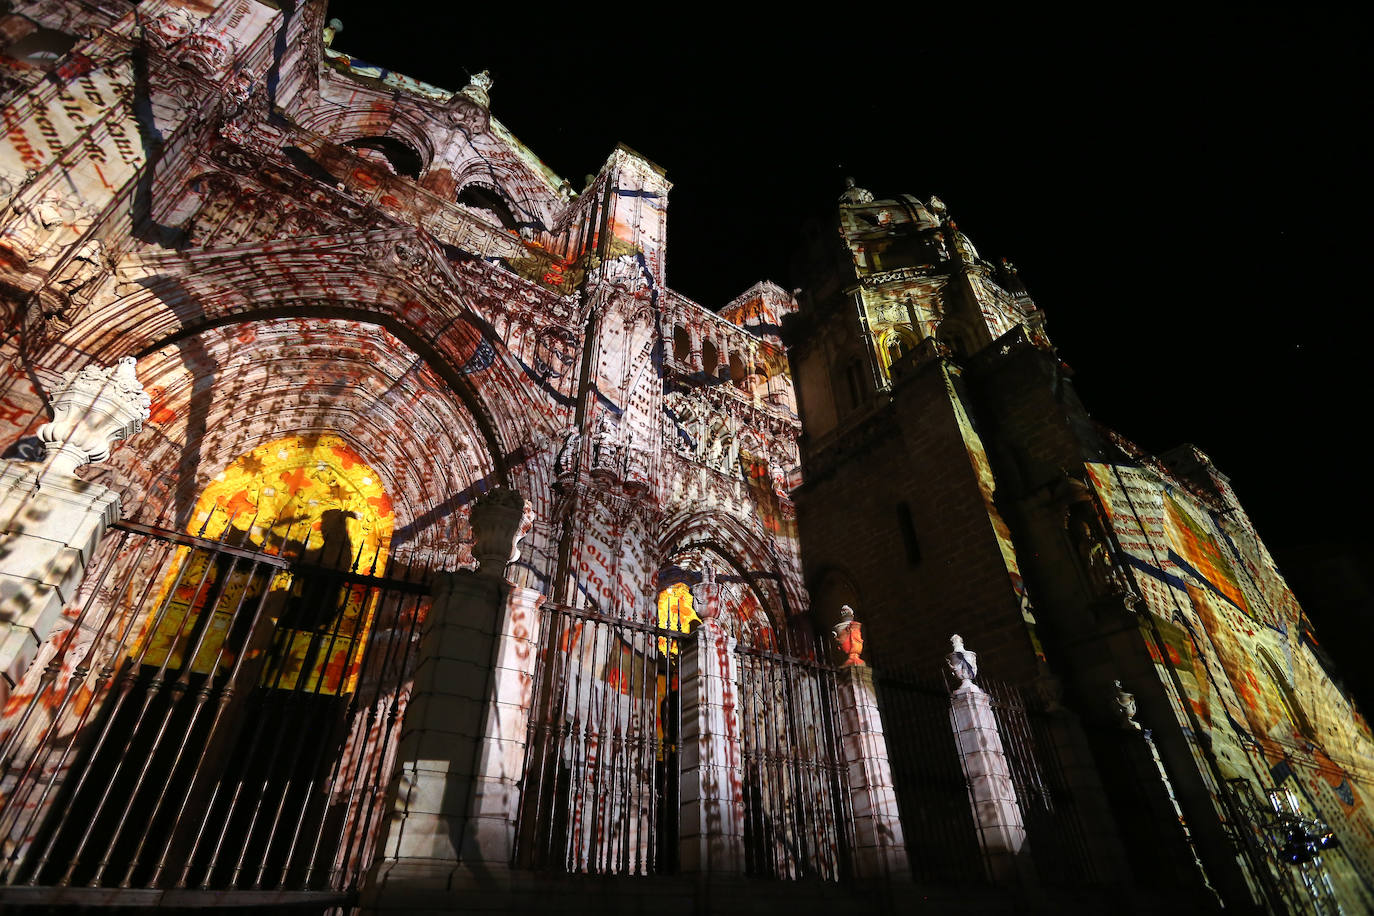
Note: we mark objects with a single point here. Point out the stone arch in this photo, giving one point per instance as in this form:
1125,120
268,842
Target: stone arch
896,342
490,202
748,555
515,186
354,279
401,157
682,345
346,280
397,120
307,377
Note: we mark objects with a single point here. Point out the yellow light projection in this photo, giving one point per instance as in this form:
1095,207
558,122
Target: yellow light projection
675,612
307,498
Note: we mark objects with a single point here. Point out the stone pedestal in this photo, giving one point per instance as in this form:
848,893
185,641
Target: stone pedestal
50,525
712,826
879,849
50,520
494,799
995,808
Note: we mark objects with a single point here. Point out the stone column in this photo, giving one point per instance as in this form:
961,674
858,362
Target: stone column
50,520
879,848
494,802
712,828
995,809
454,794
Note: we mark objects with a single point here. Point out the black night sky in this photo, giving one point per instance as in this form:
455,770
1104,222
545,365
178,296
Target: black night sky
1181,193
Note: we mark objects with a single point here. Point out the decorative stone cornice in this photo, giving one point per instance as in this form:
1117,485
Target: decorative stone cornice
92,410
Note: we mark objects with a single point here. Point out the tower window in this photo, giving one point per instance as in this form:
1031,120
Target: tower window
908,529
854,377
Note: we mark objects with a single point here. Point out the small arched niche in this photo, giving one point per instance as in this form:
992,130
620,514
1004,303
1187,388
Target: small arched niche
710,358
489,203
682,344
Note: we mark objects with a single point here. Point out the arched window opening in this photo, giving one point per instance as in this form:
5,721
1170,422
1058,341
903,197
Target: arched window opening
737,371
397,155
682,344
710,358
854,384
908,530
41,48
489,204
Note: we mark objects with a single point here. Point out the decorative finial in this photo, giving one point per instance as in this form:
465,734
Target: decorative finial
706,594
849,636
962,662
478,89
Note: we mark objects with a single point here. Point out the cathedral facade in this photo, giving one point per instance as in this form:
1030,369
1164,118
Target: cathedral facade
380,530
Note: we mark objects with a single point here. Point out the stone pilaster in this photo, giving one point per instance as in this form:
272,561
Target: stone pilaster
879,848
454,795
712,827
51,521
494,800
995,808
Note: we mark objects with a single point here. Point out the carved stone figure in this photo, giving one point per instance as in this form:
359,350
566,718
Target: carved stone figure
86,267
1125,708
962,662
567,454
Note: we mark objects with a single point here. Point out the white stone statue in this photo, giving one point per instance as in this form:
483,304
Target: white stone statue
962,662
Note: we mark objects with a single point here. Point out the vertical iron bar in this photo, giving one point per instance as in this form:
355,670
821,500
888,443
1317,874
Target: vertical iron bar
126,687
340,617
106,672
181,683
223,701
378,770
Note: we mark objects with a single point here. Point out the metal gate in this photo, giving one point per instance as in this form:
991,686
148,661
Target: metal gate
932,792
210,715
601,771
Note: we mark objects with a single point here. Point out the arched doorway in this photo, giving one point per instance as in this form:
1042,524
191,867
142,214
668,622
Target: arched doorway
219,706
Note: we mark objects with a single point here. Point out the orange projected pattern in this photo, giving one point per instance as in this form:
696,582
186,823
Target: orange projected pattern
1200,549
310,498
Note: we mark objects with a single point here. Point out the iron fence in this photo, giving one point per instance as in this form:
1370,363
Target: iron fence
602,763
210,714
932,792
798,819
934,797
1054,828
